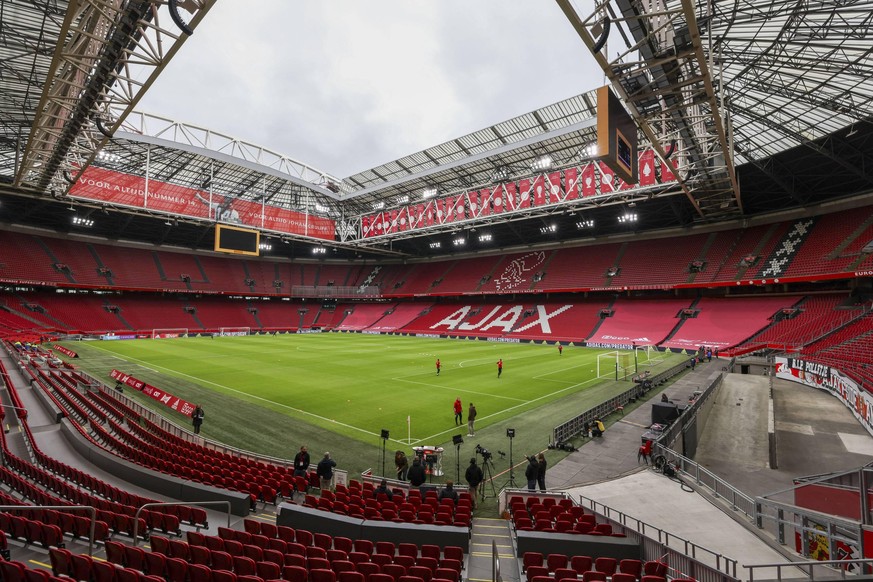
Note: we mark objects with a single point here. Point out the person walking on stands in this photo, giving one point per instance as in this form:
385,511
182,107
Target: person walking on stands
499,367
541,473
325,471
417,474
459,410
531,472
471,418
438,366
474,478
197,418
402,464
301,462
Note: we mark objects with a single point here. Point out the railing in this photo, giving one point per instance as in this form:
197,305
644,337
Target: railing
843,568
339,291
567,430
686,558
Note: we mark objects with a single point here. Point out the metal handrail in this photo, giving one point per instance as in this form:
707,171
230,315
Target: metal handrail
172,503
810,567
91,510
662,536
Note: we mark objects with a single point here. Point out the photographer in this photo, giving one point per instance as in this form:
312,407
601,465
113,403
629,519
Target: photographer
474,477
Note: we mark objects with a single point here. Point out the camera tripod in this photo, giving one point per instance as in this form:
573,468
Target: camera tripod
487,477
511,483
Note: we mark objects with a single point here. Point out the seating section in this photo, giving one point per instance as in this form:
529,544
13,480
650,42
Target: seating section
639,321
401,315
362,315
359,500
725,322
262,552
639,257
548,514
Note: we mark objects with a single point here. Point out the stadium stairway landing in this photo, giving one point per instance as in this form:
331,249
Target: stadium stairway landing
485,532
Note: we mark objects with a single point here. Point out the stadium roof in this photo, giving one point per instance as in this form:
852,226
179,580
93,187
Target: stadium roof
765,105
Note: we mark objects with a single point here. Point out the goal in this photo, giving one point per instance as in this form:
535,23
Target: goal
234,331
618,365
648,355
170,333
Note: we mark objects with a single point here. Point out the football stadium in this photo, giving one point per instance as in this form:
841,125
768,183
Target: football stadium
623,337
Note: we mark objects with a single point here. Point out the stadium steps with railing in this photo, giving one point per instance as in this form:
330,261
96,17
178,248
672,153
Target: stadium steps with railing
120,317
601,320
203,277
100,265
485,532
66,273
607,280
704,250
762,243
681,321
850,239
543,267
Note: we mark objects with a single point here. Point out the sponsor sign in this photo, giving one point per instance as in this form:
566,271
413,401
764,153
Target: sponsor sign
165,398
134,191
66,351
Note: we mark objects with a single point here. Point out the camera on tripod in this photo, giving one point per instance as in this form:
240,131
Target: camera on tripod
486,454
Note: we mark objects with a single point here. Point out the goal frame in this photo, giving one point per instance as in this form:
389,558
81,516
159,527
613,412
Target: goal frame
621,364
169,332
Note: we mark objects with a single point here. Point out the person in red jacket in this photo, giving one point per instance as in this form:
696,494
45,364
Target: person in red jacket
499,367
438,366
459,416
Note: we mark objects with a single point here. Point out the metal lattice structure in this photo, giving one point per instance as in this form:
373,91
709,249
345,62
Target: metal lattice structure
762,105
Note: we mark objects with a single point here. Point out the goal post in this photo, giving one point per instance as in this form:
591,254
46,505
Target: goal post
169,332
617,364
234,331
648,355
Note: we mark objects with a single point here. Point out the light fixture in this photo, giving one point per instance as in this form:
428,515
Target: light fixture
320,207
107,157
585,223
589,151
86,222
548,228
319,251
378,205
429,192
484,237
403,199
459,242
435,245
501,174
628,217
542,163
265,246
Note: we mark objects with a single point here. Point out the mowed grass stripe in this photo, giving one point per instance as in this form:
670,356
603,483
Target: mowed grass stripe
353,385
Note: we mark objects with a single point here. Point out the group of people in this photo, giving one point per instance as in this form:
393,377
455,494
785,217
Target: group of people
458,409
535,472
324,469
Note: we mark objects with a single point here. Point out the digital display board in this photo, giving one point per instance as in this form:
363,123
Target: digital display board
238,241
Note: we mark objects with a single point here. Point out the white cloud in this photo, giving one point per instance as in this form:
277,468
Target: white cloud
346,85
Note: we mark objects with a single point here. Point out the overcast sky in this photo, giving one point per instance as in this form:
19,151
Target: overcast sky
346,85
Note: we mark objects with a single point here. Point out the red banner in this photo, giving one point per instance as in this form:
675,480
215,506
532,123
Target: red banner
589,187
129,190
66,352
165,398
571,183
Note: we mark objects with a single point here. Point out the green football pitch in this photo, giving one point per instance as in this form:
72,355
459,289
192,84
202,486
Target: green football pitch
338,391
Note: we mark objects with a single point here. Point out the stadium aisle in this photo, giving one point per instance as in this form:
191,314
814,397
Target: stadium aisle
485,531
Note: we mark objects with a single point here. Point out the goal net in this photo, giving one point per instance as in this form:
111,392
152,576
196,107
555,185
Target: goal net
170,333
234,331
617,365
648,355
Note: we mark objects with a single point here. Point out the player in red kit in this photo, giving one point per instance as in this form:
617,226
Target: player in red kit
459,417
499,367
438,366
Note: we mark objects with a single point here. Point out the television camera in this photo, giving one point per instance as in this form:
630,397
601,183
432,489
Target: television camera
486,454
